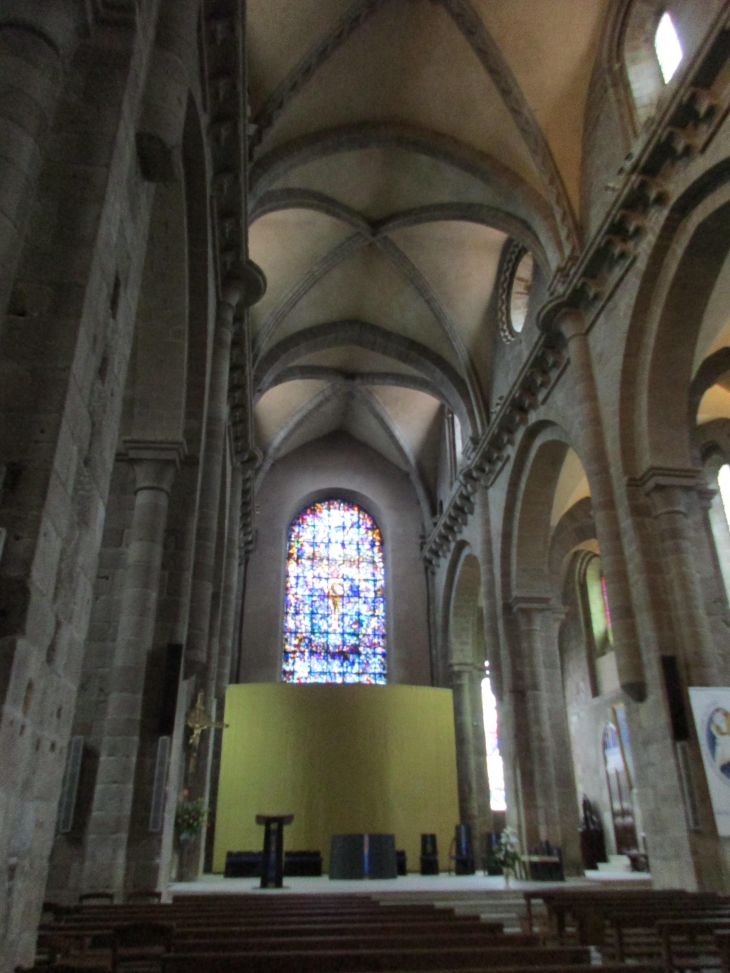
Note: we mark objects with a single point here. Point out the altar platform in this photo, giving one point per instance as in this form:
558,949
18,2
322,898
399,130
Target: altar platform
405,886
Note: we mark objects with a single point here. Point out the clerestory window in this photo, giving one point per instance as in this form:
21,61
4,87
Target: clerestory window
334,624
668,47
495,765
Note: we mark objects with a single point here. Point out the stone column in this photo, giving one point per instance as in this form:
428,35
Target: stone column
37,40
210,479
471,750
216,602
230,583
592,449
155,465
563,770
531,715
672,494
162,115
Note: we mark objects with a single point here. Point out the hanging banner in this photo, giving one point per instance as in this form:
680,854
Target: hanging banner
711,710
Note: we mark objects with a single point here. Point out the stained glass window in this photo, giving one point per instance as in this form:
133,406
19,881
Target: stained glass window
334,625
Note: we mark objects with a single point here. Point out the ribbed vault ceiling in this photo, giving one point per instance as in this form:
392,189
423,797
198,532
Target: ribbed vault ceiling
398,145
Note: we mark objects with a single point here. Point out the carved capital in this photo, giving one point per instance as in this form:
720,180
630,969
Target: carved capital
671,491
155,462
571,322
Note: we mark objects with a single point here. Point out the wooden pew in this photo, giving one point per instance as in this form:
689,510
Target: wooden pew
308,944
362,960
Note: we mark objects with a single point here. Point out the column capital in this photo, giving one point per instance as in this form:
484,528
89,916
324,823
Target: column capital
571,322
463,666
155,462
670,490
530,603
59,22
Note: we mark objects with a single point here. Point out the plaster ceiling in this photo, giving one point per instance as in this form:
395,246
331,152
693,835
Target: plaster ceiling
398,144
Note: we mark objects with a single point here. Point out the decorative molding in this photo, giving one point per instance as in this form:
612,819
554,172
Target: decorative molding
347,248
475,33
534,383
323,373
372,337
509,263
303,71
511,192
685,128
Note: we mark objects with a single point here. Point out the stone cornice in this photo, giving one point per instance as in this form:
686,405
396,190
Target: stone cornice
683,129
228,131
163,450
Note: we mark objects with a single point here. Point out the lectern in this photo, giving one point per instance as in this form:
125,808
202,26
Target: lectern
272,866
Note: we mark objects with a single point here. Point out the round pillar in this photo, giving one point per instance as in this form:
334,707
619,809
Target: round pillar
155,465
471,750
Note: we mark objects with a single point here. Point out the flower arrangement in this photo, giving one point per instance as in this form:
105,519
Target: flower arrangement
508,852
189,818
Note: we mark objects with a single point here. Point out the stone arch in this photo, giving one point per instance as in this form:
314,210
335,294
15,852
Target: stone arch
526,534
665,325
575,528
506,189
373,338
464,610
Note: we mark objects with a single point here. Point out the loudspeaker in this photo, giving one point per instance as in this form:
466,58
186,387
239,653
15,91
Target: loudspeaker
168,691
463,851
675,698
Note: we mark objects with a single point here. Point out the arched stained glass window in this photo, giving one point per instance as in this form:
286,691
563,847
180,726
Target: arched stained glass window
334,624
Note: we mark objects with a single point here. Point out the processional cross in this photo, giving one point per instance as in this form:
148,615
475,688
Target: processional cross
198,720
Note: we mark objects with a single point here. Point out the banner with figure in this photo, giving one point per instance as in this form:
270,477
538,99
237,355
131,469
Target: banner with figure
711,710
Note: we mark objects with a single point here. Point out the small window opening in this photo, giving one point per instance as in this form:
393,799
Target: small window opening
668,48
495,766
723,481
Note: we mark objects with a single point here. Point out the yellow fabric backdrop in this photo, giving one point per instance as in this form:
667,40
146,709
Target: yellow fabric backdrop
342,759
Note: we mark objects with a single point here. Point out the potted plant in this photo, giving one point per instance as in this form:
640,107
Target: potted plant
508,853
189,821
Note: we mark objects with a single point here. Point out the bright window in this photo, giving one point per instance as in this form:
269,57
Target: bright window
667,47
495,766
334,625
723,481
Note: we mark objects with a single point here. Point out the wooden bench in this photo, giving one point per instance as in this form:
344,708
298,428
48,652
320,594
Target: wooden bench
308,944
359,961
